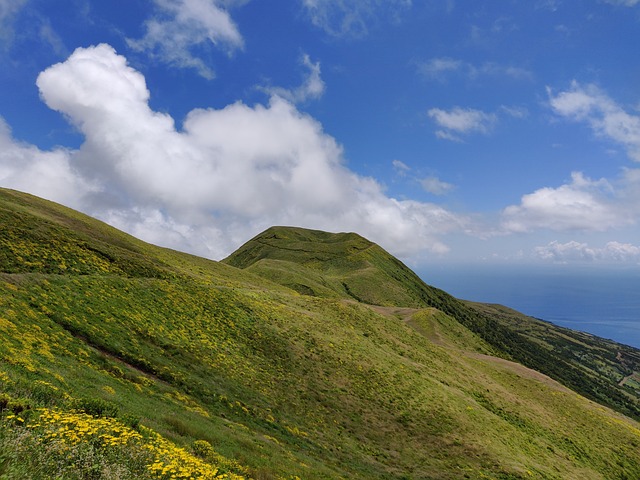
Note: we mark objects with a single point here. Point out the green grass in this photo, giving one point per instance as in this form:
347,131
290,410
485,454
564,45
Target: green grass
364,382
348,266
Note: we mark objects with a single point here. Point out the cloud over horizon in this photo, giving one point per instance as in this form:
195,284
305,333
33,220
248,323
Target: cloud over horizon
226,175
611,252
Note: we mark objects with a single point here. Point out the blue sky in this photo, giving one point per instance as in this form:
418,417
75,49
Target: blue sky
447,131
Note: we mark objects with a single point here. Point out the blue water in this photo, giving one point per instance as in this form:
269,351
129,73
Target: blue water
604,302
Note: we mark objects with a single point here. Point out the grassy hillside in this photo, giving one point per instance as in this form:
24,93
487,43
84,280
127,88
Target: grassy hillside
346,265
123,360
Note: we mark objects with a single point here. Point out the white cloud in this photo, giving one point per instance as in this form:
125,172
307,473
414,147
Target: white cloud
312,87
582,204
184,24
612,252
209,187
563,252
606,118
348,18
461,121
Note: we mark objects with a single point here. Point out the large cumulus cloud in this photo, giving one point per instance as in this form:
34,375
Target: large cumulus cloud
211,184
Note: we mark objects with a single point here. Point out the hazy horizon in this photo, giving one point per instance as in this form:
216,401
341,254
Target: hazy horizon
601,300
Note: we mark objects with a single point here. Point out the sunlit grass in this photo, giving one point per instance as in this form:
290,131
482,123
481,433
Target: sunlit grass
71,444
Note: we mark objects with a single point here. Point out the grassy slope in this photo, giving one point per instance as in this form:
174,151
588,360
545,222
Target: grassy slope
601,369
281,383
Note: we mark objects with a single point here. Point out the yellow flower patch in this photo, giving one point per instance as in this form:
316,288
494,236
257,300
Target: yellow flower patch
168,461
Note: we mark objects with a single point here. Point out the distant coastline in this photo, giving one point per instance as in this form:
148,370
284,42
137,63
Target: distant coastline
602,301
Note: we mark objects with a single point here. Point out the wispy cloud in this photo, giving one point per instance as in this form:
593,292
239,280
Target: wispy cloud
430,184
400,167
463,121
624,3
345,18
607,119
458,122
514,112
8,10
441,68
184,24
32,26
436,186
495,69
51,37
311,88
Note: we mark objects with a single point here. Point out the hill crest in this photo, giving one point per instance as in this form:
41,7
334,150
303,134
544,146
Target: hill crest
323,264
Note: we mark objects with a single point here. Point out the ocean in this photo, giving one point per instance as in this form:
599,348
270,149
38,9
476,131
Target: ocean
603,301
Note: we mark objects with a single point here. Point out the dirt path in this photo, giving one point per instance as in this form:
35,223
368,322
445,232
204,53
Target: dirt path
628,377
405,314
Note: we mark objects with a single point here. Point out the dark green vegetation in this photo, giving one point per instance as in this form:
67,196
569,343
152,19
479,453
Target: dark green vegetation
304,353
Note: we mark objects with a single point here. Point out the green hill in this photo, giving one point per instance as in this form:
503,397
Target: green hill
345,265
305,354
339,265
